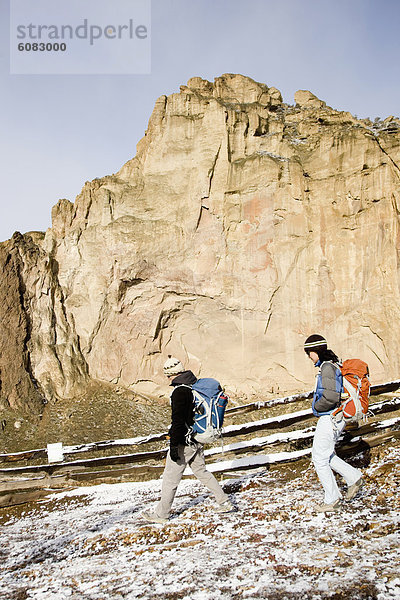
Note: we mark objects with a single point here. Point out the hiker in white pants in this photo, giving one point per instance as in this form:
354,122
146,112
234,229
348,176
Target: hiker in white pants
183,451
325,459
327,396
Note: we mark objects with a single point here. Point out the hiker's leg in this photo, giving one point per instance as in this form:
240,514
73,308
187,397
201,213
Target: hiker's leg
349,473
170,480
198,466
322,452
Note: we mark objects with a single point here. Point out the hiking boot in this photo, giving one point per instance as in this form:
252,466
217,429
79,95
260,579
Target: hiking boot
151,517
354,489
225,507
324,508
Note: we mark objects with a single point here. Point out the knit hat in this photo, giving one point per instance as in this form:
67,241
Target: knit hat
315,343
173,366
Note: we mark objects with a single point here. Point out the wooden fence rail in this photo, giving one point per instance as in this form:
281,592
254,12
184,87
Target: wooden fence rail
25,490
29,482
303,435
285,420
375,390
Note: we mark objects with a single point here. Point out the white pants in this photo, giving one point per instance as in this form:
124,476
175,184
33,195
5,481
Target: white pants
194,457
325,459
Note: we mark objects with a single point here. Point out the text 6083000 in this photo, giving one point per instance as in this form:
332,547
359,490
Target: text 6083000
42,47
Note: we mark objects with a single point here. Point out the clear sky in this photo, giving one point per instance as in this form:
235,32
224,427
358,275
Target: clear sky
58,131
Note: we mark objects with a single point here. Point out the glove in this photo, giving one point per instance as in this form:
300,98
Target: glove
174,454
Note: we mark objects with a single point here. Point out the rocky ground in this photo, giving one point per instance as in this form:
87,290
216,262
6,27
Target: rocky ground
92,542
100,413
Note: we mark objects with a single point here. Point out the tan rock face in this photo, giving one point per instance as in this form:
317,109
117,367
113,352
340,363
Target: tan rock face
241,226
306,99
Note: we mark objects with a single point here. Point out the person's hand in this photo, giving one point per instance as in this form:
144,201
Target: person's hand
174,454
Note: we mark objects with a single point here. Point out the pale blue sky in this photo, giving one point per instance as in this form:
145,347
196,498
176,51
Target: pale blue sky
59,131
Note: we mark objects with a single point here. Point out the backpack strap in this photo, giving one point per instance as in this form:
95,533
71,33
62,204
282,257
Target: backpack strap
178,386
354,393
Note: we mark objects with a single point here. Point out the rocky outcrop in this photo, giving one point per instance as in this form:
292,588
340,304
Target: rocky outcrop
241,226
18,386
39,350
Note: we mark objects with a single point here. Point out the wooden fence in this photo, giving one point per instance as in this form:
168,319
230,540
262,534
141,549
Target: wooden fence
290,441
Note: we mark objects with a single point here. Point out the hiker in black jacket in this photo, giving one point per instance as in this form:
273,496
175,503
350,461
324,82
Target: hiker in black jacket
183,451
181,410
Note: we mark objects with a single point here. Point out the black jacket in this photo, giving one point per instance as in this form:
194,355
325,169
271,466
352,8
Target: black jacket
182,408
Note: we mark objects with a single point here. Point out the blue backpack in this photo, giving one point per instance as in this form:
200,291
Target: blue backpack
209,409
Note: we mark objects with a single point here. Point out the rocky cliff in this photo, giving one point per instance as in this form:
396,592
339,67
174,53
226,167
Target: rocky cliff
241,226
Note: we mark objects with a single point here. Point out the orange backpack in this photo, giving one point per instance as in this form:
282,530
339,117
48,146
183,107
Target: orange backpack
355,393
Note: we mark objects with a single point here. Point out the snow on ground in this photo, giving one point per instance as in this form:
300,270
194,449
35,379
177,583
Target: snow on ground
91,543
